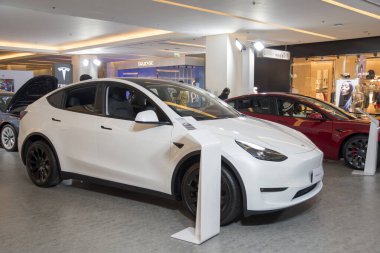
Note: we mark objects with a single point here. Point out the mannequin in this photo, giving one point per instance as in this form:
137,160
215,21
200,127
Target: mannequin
357,98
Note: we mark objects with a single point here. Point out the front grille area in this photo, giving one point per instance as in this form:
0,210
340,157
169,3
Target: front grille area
305,191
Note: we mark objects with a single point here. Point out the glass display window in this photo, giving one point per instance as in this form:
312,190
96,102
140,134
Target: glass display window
319,77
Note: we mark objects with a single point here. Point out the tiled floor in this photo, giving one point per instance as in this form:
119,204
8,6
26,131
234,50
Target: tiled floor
344,217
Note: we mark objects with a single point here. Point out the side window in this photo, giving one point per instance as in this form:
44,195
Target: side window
260,105
285,107
232,103
81,100
125,103
118,103
56,99
296,109
243,104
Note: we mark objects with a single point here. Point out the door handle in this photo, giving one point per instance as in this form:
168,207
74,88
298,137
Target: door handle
54,119
106,128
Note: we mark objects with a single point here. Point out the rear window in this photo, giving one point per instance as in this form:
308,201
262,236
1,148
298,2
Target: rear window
56,99
81,100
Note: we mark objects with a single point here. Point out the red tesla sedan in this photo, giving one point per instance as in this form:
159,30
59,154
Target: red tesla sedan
337,133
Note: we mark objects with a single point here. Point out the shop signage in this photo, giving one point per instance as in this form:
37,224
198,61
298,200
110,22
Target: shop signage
275,54
64,73
145,63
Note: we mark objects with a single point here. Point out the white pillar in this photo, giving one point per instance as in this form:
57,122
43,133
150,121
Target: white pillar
248,71
79,69
226,66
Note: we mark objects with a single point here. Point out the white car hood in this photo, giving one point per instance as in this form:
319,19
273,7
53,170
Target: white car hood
261,132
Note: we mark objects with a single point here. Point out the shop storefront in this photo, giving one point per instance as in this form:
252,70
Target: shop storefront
189,70
346,73
349,81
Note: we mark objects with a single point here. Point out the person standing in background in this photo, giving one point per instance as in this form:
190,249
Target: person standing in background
85,77
224,94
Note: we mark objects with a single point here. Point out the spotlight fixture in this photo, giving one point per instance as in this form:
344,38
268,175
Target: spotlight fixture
85,62
258,45
97,62
239,45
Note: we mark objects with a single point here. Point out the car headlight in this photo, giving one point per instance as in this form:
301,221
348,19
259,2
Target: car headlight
262,153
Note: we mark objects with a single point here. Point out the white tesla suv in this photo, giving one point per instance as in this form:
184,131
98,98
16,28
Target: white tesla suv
127,133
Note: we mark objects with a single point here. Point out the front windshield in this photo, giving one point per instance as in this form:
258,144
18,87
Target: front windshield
4,101
186,100
332,109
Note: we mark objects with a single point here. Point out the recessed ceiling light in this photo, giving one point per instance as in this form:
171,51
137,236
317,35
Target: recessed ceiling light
225,14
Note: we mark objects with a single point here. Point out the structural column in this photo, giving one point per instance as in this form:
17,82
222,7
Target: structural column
80,68
226,66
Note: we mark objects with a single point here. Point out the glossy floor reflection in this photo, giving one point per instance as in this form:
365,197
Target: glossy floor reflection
89,218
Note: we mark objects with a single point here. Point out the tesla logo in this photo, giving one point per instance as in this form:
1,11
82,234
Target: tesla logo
64,70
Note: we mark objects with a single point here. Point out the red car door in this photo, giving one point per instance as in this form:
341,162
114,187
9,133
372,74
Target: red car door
309,121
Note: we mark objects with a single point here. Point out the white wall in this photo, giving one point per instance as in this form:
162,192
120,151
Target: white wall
19,77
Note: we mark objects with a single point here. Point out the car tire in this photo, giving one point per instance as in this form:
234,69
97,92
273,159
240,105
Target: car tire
354,152
231,199
8,136
42,165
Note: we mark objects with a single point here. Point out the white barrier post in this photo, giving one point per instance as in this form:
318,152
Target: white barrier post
372,146
207,223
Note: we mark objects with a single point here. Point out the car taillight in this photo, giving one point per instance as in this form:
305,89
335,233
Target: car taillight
22,114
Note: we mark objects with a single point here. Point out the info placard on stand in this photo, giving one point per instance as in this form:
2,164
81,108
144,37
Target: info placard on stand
372,146
207,223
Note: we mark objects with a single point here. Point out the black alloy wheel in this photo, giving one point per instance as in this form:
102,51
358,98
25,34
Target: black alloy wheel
355,151
8,136
41,165
230,202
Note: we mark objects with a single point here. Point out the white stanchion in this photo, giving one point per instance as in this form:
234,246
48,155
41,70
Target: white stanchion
207,223
372,146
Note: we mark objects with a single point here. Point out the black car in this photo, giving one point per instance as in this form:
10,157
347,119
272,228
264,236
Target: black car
12,104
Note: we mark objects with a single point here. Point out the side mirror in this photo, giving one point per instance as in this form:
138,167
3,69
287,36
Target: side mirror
149,117
146,117
315,116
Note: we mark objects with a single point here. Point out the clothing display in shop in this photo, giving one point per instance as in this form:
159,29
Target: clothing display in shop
357,99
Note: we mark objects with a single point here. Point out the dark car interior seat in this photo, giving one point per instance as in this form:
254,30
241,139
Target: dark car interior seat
139,103
72,101
118,104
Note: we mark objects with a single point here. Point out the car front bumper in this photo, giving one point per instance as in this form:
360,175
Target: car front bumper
270,186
